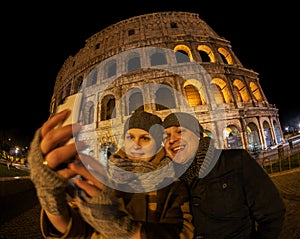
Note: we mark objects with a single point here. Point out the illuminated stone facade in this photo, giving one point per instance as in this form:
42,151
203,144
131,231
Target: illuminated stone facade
169,61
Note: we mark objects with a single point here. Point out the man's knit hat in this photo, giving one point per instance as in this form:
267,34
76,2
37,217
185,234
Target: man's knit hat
186,120
148,122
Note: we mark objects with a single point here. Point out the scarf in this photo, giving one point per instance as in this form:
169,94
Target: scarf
202,163
138,175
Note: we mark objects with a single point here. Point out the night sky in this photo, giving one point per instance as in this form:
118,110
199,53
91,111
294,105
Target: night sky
37,38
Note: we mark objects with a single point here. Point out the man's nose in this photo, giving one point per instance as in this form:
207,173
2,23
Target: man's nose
174,138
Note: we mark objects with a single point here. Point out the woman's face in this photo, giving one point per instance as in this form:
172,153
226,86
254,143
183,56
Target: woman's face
139,144
180,143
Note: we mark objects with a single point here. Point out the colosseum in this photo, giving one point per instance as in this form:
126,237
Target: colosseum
165,62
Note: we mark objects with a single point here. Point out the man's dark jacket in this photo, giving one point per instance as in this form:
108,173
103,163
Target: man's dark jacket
236,199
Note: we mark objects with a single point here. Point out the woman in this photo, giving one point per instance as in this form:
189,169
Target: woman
128,208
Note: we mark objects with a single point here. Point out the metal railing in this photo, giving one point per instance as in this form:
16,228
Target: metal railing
284,157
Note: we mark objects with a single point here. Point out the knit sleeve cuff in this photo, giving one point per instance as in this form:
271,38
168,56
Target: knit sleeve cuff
77,227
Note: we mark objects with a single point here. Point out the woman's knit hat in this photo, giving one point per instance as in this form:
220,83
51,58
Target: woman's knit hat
186,120
148,122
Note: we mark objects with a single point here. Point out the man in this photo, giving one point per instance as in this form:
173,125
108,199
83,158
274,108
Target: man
231,195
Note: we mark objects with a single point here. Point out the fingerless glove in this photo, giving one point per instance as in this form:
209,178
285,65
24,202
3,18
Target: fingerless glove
50,187
103,214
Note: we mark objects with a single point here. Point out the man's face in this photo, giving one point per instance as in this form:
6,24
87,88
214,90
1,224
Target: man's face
181,144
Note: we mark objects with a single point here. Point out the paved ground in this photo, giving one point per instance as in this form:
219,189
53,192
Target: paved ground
20,216
22,222
289,185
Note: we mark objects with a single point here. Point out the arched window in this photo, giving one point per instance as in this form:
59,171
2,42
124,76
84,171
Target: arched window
158,58
133,63
78,83
256,91
182,56
267,134
240,91
232,137
164,99
192,95
225,55
254,142
91,115
110,69
88,113
206,53
135,101
108,107
92,77
277,132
